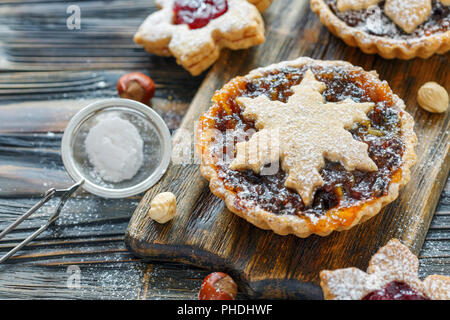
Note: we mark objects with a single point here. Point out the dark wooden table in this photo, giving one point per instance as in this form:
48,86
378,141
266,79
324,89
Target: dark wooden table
47,73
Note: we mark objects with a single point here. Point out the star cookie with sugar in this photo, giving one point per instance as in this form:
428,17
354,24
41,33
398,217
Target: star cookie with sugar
409,14
310,130
391,275
194,31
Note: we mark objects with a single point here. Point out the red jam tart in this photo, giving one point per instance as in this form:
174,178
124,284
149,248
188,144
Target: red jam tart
344,177
195,31
198,13
391,275
393,28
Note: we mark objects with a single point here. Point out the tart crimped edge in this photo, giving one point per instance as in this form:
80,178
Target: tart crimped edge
423,47
300,226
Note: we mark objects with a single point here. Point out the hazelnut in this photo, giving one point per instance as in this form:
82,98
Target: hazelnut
433,97
218,286
136,86
163,207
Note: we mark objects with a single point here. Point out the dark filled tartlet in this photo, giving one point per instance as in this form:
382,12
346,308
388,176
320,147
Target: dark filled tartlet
401,29
306,146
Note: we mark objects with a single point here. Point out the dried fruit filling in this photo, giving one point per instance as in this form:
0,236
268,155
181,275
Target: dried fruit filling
198,13
375,22
341,188
395,290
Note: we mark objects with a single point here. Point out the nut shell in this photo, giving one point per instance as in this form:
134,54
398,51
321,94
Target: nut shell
163,207
433,97
136,86
218,286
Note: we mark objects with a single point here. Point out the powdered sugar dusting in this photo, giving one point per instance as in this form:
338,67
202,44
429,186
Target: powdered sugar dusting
393,262
375,24
115,148
349,284
437,287
409,14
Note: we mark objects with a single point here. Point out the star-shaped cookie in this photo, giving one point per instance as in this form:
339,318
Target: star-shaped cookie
393,263
408,14
310,131
238,25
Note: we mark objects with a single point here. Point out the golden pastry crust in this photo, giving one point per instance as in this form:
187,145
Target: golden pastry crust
393,262
240,27
437,287
388,48
262,5
333,219
344,5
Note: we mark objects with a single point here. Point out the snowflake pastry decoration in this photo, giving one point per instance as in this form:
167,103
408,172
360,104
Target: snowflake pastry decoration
408,15
309,130
393,262
240,26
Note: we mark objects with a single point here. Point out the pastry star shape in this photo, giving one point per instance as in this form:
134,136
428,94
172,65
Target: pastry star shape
310,131
409,14
240,27
393,262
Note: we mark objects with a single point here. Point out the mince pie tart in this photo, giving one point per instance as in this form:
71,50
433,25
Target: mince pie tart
306,146
194,31
393,28
391,275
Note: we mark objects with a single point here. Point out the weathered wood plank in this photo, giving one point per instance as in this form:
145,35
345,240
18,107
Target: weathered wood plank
43,41
113,280
53,116
63,85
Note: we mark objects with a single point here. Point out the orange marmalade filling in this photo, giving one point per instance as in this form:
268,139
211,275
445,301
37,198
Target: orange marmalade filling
343,191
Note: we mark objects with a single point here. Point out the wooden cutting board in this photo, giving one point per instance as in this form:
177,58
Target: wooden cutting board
266,265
